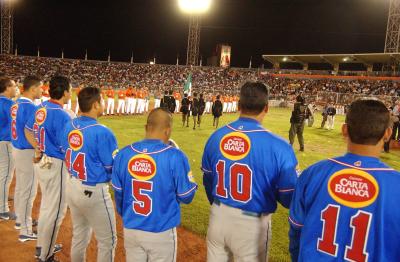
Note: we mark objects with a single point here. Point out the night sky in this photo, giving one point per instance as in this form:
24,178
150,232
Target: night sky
158,27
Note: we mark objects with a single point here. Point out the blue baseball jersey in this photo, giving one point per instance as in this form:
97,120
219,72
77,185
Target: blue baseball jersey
346,209
247,167
48,123
90,149
21,112
5,118
150,179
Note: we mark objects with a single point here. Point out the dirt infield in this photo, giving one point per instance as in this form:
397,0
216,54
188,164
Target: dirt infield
190,246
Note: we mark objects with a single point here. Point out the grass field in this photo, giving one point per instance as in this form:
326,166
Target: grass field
320,144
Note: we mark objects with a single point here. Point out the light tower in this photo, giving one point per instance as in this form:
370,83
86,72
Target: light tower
195,8
392,43
6,26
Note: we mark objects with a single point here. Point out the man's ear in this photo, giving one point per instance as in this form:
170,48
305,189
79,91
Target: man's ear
388,134
345,131
266,109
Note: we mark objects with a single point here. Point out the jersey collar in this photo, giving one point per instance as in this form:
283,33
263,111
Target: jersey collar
87,118
25,98
54,102
360,157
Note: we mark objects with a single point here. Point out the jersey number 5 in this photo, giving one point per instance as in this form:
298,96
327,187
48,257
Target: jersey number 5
143,204
360,223
78,166
240,177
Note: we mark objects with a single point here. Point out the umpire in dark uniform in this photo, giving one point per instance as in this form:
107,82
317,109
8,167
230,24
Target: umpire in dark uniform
195,109
171,102
185,110
297,122
202,107
165,100
217,111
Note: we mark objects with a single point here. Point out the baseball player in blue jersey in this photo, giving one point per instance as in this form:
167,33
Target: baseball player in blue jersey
7,92
44,130
89,155
346,208
247,170
150,179
23,153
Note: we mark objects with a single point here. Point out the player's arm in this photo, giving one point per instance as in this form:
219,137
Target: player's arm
117,184
60,129
206,167
288,175
184,181
297,215
30,137
107,147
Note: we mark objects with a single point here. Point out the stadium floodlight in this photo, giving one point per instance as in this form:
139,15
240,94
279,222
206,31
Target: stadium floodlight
7,26
285,59
194,6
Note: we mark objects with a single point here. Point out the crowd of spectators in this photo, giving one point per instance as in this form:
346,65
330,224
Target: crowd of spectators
205,79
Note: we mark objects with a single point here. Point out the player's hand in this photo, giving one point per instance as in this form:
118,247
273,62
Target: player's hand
37,156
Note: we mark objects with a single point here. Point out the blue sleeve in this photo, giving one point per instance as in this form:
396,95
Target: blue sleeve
287,176
117,184
31,121
207,169
108,147
297,216
60,130
184,182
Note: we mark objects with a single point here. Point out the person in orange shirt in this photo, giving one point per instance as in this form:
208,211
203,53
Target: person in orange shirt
140,102
224,100
177,97
208,104
45,93
234,104
110,101
121,101
134,101
146,100
230,104
128,100
77,90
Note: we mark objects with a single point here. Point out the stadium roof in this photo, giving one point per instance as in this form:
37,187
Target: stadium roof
367,59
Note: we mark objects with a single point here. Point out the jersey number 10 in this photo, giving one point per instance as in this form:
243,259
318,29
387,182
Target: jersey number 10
240,177
360,223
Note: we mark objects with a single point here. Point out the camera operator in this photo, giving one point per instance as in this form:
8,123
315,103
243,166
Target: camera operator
297,122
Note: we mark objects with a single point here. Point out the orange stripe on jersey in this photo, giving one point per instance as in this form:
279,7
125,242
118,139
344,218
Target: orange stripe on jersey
360,168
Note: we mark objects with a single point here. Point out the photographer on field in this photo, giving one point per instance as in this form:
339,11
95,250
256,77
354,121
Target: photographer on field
297,122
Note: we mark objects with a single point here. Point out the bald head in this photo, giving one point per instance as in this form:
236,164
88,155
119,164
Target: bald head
158,120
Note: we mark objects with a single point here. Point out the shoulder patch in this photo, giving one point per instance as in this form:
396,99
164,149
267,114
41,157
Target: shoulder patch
40,116
75,140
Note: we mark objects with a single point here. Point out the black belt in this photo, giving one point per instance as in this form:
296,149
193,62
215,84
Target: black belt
246,213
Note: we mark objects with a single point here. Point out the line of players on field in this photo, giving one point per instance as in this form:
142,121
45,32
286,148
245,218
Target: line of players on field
132,101
340,208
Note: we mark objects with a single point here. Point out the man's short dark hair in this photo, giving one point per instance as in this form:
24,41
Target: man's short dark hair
253,98
58,85
87,97
4,83
30,81
218,96
367,121
194,94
